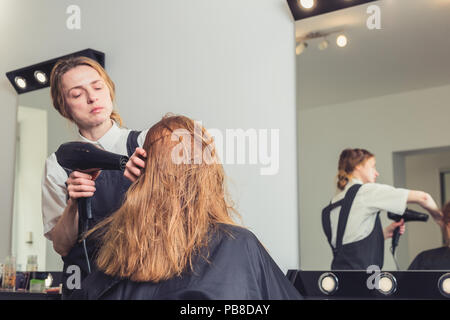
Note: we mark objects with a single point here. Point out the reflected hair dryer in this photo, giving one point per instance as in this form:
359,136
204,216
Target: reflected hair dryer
407,216
85,157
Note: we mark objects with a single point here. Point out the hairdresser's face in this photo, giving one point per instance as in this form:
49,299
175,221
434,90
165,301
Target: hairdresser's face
87,96
367,171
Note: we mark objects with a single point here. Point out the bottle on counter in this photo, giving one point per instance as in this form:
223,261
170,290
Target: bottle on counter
32,264
9,274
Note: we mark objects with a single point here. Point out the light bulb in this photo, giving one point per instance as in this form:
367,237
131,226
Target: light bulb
21,83
341,40
40,76
444,285
387,284
307,4
328,283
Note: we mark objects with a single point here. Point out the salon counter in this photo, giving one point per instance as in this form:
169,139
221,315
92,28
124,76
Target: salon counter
23,295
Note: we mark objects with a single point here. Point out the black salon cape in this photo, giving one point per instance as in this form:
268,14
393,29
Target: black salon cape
239,269
434,259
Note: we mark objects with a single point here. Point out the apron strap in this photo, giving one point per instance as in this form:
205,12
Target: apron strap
343,214
132,143
326,223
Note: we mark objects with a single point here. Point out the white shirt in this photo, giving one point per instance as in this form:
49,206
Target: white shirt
370,198
54,191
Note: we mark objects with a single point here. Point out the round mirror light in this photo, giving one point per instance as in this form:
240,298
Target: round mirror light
444,285
387,284
328,283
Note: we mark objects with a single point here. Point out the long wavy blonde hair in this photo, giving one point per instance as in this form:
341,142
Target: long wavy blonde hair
168,213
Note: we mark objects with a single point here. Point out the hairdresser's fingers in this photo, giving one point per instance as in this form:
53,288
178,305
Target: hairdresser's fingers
402,229
140,152
401,225
131,169
78,174
80,188
138,162
76,192
80,181
138,156
93,173
81,195
130,176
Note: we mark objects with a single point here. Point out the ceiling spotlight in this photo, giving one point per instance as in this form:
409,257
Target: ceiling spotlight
387,284
40,77
328,283
341,40
323,44
300,48
307,4
20,82
444,285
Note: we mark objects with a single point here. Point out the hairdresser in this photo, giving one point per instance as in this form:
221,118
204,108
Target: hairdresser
352,220
83,93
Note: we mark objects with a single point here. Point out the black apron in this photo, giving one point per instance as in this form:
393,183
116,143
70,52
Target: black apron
111,186
357,255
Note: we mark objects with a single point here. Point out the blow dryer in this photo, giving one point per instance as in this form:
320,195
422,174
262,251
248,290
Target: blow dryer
85,157
408,215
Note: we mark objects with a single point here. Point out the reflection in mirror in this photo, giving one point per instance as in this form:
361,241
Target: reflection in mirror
40,130
387,91
445,185
420,170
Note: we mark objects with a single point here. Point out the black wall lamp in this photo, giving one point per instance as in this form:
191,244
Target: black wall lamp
302,9
37,76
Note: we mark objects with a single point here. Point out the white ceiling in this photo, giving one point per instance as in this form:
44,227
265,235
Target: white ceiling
411,51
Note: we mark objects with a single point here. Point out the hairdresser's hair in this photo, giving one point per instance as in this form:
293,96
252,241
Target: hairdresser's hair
348,160
170,210
56,87
446,222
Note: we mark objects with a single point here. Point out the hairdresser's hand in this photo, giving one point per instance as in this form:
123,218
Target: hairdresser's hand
427,202
430,205
134,165
389,230
81,185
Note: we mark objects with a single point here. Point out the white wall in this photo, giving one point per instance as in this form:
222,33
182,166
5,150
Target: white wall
405,121
229,63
